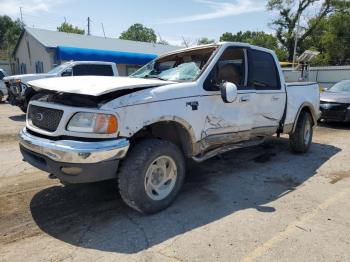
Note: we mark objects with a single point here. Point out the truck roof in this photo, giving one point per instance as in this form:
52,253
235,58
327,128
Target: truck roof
90,62
238,44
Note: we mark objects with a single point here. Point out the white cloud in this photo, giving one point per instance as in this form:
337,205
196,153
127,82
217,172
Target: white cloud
11,7
220,9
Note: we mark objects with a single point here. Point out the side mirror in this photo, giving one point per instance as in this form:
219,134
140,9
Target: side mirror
67,72
228,92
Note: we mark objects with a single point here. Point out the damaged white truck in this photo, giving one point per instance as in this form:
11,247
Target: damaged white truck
193,104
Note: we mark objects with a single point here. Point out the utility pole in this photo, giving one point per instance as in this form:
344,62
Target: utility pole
296,42
103,30
20,10
88,25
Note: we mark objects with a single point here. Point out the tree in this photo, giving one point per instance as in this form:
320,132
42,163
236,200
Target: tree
9,33
138,32
256,38
289,13
205,41
69,28
332,39
337,38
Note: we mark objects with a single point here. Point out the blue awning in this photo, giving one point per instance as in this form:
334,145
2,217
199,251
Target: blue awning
85,54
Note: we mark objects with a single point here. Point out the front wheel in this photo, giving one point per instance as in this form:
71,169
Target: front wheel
24,108
151,175
301,139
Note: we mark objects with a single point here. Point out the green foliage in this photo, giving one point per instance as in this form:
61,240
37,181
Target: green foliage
257,38
9,33
205,41
69,28
138,32
332,39
289,12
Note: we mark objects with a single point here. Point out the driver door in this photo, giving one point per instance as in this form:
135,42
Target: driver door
229,122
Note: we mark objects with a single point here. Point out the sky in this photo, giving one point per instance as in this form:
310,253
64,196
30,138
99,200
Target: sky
171,20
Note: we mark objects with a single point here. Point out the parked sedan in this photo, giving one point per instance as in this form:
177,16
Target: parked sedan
335,103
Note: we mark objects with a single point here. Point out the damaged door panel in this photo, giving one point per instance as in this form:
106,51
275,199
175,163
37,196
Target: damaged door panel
271,99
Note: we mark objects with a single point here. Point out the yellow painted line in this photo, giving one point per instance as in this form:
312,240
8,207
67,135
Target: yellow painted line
268,245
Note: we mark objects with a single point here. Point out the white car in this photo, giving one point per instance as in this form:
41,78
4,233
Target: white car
189,104
19,94
3,89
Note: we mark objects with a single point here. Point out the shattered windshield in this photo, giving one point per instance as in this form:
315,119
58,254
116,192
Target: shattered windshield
184,66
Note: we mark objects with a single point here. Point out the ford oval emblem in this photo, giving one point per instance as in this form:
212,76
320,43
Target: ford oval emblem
39,116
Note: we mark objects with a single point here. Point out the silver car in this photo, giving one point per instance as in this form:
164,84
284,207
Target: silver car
335,103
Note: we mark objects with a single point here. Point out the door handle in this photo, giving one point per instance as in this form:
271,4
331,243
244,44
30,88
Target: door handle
275,98
245,99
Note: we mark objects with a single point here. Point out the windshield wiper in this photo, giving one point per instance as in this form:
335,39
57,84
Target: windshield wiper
155,77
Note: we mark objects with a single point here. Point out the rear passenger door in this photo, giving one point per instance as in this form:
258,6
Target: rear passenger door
93,70
264,77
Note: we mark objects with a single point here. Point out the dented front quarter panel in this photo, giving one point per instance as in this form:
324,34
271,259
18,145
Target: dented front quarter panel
164,103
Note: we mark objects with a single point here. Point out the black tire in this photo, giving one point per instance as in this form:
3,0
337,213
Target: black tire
298,142
1,96
29,97
24,108
133,169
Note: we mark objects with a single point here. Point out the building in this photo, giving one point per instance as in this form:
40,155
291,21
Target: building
39,50
325,76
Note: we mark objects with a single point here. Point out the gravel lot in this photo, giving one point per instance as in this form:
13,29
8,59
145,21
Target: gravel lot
256,204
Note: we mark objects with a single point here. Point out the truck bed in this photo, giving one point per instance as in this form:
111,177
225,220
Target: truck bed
299,93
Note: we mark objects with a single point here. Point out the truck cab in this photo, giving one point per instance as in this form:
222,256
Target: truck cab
192,104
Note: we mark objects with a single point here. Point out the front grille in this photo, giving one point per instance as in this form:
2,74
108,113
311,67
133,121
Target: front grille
333,111
45,118
333,115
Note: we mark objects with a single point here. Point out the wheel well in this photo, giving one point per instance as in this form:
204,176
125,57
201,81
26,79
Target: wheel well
170,131
308,110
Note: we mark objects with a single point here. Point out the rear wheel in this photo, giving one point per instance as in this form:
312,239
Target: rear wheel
151,175
301,139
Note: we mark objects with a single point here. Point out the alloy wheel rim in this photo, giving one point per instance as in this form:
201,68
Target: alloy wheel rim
160,178
307,132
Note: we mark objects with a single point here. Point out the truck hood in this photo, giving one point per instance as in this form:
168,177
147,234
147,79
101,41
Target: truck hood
27,77
94,85
335,97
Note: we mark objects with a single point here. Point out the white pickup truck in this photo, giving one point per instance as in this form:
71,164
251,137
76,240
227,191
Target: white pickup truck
19,94
191,104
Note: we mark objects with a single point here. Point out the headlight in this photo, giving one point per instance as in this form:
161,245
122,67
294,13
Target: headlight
93,123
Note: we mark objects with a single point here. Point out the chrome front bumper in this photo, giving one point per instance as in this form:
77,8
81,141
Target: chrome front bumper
70,151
